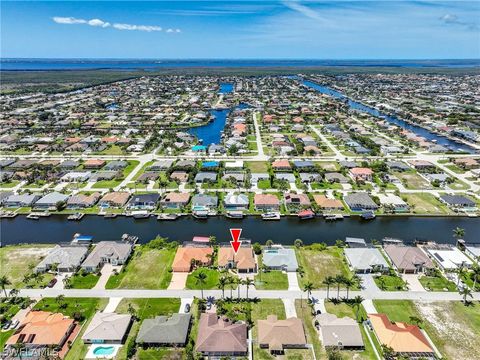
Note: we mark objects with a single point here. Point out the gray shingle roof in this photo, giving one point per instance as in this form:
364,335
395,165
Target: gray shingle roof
165,330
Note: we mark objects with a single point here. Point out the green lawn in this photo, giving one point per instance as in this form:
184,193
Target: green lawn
437,283
151,307
160,353
424,203
271,280
390,283
147,269
210,282
264,184
83,281
320,264
68,306
4,335
107,184
17,259
257,166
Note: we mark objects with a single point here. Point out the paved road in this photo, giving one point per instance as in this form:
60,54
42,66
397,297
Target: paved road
263,294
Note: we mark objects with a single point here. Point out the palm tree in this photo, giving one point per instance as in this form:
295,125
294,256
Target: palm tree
222,282
458,233
60,300
308,287
248,282
14,293
348,282
231,282
329,280
201,280
298,243
339,280
269,243
19,347
4,282
212,240
461,273
357,301
300,270
131,310
475,275
238,282
465,292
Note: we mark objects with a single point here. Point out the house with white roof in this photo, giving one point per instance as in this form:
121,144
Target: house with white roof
448,258
365,260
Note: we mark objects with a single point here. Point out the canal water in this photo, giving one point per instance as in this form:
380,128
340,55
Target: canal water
420,131
56,228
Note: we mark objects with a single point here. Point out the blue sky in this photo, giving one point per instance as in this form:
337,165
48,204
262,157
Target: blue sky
338,29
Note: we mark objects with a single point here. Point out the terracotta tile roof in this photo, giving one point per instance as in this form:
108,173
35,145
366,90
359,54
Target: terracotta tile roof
184,256
43,328
244,257
266,199
401,337
326,203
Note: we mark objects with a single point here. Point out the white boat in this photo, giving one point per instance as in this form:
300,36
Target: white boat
333,217
168,217
271,216
33,217
234,214
76,217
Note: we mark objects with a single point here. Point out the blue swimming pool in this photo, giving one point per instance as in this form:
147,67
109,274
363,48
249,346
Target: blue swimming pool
104,350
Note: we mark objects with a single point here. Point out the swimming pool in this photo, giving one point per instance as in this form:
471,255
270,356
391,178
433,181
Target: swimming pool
103,350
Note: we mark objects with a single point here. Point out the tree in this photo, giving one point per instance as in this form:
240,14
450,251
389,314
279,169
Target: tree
257,248
329,280
60,300
301,271
201,280
458,233
132,311
222,282
308,287
465,292
357,301
339,280
54,267
248,282
231,282
269,243
238,282
212,240
60,205
298,243
19,348
14,293
348,282
388,352
4,282
415,320
475,275
339,243
461,273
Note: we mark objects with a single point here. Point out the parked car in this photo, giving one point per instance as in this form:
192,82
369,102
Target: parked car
52,283
14,324
6,326
187,308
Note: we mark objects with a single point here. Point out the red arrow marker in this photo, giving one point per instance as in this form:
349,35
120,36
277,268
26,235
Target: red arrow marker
235,236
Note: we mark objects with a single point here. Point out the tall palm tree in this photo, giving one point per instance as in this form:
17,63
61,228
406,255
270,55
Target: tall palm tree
201,280
308,287
222,282
465,292
329,280
475,275
339,280
238,282
348,282
231,282
461,273
357,301
458,233
4,282
248,282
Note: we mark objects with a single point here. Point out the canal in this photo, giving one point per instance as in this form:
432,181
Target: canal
56,229
420,131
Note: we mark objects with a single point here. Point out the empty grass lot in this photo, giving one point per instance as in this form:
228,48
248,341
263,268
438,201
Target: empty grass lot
16,260
149,308
257,166
437,283
83,281
271,280
412,180
422,203
320,264
147,269
160,353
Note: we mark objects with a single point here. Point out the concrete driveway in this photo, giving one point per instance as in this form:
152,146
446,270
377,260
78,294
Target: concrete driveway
107,271
290,310
368,283
60,277
178,281
413,282
293,281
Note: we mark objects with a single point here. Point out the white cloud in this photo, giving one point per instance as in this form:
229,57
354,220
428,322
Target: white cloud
68,20
304,10
452,19
99,23
105,24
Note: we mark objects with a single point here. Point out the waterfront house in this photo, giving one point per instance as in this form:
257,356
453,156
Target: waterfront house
218,337
243,260
296,201
174,200
408,259
21,200
186,255
50,200
204,202
82,201
66,258
165,331
40,330
107,252
393,202
360,201
448,257
473,252
143,201
328,204
355,242
365,260
266,202
339,333
361,174
236,202
114,199
107,328
277,335
278,257
458,202
404,339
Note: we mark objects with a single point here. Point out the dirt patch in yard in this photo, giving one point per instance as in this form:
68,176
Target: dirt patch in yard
458,338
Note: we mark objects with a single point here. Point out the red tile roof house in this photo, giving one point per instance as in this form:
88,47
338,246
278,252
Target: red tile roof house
218,336
281,165
296,201
173,200
362,174
266,202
